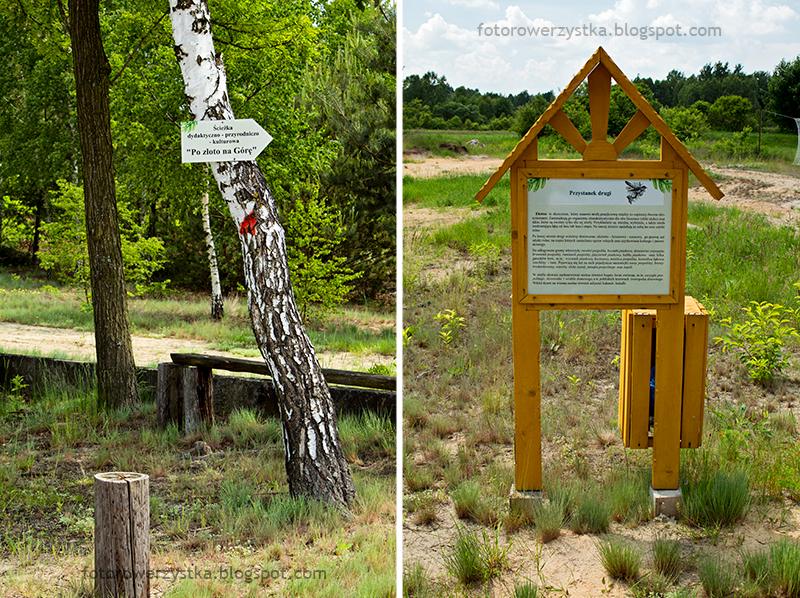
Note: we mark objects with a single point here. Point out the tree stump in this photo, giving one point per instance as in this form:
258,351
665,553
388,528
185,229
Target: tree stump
122,535
185,395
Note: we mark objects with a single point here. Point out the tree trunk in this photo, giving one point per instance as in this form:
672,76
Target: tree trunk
315,462
217,304
116,379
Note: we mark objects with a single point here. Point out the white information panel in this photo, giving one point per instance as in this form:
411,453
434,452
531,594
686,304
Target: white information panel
599,236
222,140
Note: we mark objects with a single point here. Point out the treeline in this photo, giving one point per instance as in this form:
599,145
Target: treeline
319,76
716,98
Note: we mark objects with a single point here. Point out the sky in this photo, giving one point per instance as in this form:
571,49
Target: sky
539,46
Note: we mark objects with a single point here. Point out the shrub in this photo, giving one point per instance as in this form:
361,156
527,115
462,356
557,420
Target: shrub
319,278
64,248
738,145
731,113
686,123
759,340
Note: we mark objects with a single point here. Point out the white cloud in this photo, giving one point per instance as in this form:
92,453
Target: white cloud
474,3
755,33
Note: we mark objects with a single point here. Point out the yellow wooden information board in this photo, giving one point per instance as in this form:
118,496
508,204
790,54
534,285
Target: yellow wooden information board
601,233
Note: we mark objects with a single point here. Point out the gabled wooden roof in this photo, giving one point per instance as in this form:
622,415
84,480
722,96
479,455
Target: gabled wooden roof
599,70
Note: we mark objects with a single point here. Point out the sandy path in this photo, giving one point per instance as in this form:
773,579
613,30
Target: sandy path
434,167
147,351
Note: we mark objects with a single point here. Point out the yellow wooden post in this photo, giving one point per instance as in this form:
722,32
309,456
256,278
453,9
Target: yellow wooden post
525,325
527,401
669,346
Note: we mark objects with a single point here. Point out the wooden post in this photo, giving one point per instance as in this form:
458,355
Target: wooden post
185,395
525,325
122,535
669,350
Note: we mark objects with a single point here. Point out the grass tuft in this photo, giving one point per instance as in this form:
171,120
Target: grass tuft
548,518
667,557
719,501
620,559
717,577
592,514
527,589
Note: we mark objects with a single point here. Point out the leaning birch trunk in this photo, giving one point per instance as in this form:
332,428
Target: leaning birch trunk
122,535
217,305
315,463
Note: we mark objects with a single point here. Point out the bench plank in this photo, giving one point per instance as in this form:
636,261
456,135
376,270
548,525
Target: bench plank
234,364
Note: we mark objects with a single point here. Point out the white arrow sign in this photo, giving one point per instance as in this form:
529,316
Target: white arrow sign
222,140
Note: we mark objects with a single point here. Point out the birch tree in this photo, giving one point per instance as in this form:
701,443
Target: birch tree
315,462
217,303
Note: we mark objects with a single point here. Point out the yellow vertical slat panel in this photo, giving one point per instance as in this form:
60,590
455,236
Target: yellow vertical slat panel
624,379
642,339
694,374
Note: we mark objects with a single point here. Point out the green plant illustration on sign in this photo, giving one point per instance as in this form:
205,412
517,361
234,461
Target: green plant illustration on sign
188,126
536,183
663,185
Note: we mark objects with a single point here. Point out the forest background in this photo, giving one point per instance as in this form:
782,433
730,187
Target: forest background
717,98
318,76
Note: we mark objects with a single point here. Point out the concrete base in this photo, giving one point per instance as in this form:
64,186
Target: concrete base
524,501
665,502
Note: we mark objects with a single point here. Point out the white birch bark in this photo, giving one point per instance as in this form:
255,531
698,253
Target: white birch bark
315,462
217,304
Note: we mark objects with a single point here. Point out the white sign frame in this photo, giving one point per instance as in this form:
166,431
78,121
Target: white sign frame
235,140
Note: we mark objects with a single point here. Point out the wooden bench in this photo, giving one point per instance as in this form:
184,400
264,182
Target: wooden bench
185,387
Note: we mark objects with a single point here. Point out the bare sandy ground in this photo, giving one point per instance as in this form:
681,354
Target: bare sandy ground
434,167
147,351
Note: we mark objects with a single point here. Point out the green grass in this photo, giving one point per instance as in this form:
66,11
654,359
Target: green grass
527,589
234,509
548,518
667,557
473,558
453,191
718,577
737,256
629,495
497,144
785,566
592,514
